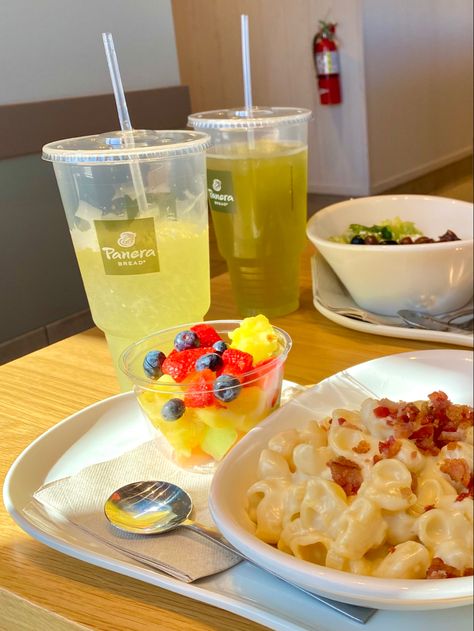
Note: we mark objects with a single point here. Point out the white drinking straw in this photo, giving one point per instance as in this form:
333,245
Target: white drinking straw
244,27
124,118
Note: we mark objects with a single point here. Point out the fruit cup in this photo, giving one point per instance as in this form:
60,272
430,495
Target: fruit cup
205,385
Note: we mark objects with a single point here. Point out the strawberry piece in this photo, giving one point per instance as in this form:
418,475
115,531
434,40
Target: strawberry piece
262,368
199,393
179,364
236,362
206,333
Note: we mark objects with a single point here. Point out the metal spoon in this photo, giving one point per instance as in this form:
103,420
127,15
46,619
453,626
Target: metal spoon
154,507
424,320
150,508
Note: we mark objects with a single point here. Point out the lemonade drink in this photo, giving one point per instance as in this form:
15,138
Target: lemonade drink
263,236
257,187
129,307
136,206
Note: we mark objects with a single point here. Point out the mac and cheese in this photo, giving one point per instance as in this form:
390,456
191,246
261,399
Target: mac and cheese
386,491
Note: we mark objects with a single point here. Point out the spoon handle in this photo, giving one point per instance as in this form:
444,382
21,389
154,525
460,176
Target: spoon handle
354,612
211,534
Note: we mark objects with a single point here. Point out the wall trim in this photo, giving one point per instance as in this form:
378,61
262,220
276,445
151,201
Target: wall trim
428,167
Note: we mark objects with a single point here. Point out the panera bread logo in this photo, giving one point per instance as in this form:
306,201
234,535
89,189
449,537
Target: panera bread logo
220,189
128,246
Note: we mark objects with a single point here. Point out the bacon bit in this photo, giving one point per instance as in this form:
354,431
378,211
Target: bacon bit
469,571
362,448
377,458
450,446
390,447
460,415
430,424
423,439
341,420
381,411
439,400
429,507
469,493
346,473
458,470
425,431
439,569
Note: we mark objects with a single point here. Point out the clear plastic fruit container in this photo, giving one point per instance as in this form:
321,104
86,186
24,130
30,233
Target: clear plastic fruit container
201,416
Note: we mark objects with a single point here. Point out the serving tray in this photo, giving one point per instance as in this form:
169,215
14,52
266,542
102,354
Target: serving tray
117,425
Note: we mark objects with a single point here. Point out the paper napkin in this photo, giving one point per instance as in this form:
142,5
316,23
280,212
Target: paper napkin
81,497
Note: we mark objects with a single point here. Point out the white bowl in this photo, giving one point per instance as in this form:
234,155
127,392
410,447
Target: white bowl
432,277
408,376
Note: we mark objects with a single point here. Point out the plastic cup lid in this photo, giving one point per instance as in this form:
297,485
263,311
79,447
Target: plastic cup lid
249,118
126,146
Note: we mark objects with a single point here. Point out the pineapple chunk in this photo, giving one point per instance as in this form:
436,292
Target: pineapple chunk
256,336
184,434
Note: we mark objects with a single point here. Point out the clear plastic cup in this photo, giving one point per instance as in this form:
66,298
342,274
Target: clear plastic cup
257,187
209,424
136,206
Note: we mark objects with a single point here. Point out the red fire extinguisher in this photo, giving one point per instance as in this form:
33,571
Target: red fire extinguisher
326,59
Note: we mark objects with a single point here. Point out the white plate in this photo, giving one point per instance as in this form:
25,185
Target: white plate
117,422
329,291
405,376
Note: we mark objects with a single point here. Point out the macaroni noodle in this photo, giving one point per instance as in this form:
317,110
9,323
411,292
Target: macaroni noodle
386,491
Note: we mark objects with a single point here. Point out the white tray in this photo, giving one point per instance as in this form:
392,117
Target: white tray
330,291
117,424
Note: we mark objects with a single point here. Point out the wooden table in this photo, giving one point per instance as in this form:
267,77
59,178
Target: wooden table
44,589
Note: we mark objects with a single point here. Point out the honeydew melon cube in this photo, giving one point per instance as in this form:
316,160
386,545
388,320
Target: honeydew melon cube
218,440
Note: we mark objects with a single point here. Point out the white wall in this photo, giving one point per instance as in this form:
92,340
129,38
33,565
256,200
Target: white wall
338,150
52,49
418,64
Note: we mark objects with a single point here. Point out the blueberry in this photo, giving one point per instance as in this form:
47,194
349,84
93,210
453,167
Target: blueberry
173,410
219,347
212,361
357,240
185,340
226,388
152,364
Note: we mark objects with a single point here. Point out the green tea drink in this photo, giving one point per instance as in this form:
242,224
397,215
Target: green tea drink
136,205
262,234
257,189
